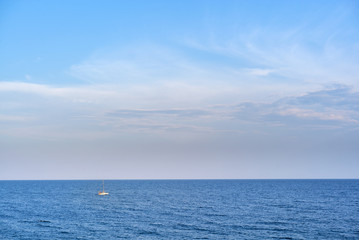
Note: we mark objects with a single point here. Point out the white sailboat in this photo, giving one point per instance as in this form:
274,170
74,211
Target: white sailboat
103,189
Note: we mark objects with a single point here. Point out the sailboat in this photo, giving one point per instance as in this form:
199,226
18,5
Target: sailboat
103,189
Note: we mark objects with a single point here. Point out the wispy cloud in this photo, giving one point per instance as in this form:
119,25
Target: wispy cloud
333,106
311,114
14,118
313,111
142,113
259,71
139,64
47,90
197,110
307,52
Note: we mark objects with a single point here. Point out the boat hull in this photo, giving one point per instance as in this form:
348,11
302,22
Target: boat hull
102,193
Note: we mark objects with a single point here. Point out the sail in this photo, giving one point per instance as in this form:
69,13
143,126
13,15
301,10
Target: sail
103,189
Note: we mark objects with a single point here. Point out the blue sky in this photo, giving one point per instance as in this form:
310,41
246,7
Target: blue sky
186,89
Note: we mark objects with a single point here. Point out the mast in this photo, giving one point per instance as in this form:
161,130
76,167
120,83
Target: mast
103,189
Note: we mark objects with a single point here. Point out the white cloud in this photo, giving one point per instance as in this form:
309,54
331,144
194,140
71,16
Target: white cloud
311,114
47,90
291,55
158,77
140,64
259,71
14,118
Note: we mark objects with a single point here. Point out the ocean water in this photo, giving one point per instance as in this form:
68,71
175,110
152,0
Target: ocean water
180,209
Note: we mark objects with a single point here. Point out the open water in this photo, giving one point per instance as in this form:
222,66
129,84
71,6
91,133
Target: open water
180,209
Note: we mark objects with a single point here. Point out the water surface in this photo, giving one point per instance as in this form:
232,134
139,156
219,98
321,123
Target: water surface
180,209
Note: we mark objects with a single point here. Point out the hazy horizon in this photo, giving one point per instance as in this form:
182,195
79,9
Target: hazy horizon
190,179
179,90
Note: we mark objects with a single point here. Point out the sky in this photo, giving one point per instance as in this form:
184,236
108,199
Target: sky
179,89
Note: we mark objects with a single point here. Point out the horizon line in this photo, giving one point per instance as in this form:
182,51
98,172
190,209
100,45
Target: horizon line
176,179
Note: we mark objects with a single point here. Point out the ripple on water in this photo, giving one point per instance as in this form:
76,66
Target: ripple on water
235,209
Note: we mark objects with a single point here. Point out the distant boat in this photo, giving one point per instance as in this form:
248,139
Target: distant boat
103,189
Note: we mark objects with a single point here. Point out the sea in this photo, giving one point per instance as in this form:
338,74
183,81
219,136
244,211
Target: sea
180,209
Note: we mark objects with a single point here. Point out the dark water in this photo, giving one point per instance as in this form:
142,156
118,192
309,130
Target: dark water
184,209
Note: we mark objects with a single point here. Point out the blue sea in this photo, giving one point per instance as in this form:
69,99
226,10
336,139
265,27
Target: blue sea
180,209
